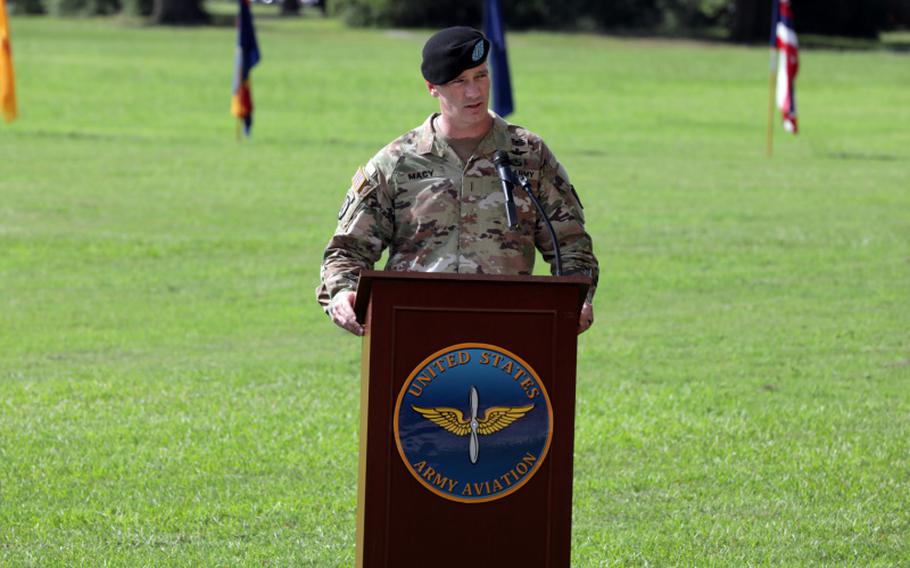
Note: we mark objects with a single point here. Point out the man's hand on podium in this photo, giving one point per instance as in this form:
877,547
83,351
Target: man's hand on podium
587,317
342,312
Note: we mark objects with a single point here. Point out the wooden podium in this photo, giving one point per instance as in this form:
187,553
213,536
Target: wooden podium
402,520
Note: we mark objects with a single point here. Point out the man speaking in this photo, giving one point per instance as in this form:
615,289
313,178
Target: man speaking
436,199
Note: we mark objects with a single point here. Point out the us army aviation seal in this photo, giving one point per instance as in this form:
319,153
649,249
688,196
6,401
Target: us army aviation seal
473,423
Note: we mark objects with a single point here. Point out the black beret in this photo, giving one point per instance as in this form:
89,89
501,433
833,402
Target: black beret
452,50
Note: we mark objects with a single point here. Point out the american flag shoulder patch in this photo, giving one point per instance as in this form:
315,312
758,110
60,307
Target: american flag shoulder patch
359,181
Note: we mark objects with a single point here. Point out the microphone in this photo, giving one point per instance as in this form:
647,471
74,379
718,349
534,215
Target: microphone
509,181
502,163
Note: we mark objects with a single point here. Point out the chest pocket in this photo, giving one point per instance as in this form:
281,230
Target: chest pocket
425,205
490,208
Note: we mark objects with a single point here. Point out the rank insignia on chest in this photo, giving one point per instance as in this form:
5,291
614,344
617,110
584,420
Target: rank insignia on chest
359,181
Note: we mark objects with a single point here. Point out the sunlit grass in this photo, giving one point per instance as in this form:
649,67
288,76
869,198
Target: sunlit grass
171,394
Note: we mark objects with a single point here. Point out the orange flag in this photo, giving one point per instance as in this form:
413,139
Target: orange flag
7,83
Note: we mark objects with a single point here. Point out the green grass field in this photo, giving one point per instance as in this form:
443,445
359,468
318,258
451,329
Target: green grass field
171,394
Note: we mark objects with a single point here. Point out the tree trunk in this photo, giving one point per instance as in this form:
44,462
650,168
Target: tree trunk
290,7
180,12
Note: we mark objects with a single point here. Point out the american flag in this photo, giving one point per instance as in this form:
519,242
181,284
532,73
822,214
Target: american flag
783,37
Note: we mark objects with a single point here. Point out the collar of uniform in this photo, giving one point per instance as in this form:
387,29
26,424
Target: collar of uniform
497,139
428,141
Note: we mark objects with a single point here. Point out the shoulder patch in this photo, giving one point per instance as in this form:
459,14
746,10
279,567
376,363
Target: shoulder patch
575,195
359,181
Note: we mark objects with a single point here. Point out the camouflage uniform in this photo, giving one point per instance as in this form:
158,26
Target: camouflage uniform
438,214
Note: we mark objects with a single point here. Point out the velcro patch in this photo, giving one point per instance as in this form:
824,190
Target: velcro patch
359,181
344,206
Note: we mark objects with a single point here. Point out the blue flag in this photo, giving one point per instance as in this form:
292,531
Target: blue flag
247,56
499,62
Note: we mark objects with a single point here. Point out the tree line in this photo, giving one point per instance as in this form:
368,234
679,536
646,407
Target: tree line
740,20
159,11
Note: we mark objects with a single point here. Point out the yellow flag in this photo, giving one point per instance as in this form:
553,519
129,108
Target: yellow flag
7,86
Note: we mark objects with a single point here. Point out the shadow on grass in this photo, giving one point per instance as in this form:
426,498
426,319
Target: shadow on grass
864,157
897,42
223,15
900,43
230,20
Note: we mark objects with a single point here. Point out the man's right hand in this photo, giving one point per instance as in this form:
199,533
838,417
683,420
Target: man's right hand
342,311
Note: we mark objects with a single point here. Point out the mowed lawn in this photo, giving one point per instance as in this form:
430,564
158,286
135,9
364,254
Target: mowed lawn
171,394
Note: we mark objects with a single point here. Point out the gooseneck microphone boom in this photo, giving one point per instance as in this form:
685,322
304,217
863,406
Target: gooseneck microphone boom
509,180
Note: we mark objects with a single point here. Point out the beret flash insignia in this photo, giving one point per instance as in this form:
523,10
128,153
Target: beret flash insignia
477,54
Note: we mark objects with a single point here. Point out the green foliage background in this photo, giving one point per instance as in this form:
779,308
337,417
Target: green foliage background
522,14
741,20
685,17
170,393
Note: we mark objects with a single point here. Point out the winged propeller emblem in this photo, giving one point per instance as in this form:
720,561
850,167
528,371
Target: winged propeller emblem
453,420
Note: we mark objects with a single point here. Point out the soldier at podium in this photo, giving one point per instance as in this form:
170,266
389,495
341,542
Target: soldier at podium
433,196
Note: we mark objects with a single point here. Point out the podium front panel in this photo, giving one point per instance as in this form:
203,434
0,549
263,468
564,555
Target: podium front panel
403,522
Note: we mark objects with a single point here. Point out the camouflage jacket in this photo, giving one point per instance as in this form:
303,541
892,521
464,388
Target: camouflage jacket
438,214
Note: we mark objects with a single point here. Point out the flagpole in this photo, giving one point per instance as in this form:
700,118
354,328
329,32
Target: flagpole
772,76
